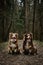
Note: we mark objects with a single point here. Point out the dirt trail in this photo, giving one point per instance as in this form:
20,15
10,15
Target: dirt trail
21,59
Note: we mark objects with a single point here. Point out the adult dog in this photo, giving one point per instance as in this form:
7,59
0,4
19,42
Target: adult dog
13,43
28,46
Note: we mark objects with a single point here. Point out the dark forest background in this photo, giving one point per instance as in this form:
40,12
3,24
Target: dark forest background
22,17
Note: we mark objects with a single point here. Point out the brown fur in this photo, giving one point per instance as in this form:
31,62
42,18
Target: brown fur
27,37
10,42
33,50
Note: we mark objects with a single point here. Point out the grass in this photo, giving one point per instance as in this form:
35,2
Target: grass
4,44
38,42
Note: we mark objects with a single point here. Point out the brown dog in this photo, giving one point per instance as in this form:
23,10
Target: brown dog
28,46
13,42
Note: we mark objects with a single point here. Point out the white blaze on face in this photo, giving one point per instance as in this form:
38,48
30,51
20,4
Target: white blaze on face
28,38
13,35
28,35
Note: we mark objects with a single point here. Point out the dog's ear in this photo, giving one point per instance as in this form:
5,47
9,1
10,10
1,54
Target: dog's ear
24,35
31,35
16,35
10,35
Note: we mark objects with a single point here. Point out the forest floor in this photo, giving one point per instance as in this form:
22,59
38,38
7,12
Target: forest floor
21,59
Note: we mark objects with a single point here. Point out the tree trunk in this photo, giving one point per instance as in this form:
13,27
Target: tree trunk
7,32
34,17
26,15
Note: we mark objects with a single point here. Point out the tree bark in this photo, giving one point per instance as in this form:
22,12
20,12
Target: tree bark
33,17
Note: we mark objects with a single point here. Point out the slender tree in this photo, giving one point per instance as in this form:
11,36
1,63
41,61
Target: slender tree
34,6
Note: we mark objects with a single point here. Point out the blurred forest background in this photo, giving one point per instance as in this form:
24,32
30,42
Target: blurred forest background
22,17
